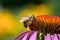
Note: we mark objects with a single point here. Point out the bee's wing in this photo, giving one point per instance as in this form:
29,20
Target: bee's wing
24,19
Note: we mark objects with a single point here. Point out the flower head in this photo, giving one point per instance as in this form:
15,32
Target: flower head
33,35
42,27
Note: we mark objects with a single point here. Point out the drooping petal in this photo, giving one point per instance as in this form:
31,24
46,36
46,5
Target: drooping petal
55,37
34,36
47,37
59,36
21,35
24,38
27,35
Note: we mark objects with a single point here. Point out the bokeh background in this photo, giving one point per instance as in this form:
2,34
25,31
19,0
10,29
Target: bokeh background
11,12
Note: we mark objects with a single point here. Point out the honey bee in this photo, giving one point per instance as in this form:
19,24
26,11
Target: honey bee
43,23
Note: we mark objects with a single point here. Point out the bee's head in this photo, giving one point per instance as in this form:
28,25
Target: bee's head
28,20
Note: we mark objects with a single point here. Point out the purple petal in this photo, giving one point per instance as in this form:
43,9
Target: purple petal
55,37
59,36
47,37
25,37
21,35
34,36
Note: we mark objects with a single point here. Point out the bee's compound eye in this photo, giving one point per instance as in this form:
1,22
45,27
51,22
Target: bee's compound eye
25,24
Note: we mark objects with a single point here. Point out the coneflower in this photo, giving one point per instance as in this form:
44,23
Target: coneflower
48,25
33,35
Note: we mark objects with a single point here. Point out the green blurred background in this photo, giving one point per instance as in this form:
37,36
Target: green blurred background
11,12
